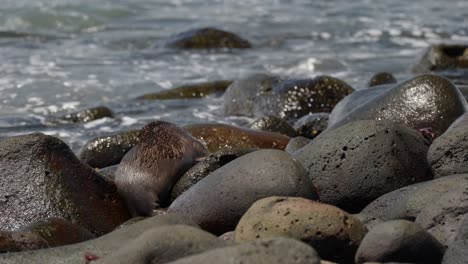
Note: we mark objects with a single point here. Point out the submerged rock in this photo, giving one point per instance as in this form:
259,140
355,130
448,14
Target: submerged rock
261,95
358,162
41,177
334,233
207,38
109,150
399,241
221,136
190,91
426,101
381,78
218,201
88,115
274,124
204,168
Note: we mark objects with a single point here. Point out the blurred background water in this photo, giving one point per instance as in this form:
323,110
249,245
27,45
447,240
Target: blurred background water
60,56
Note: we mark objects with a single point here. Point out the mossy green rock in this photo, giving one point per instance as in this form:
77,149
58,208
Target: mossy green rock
207,38
88,115
331,231
191,91
40,177
261,95
108,150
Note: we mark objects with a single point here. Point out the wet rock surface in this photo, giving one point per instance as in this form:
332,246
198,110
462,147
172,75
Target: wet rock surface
221,136
207,38
88,115
448,153
426,101
311,125
332,232
290,99
381,78
218,201
399,241
40,177
204,168
97,248
190,91
409,201
264,251
355,164
109,150
442,57
274,124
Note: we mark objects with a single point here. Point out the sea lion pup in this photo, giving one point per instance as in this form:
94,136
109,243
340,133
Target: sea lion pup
149,170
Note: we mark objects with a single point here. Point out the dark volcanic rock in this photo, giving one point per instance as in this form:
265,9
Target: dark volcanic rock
443,216
334,233
108,172
221,136
218,201
198,90
165,244
207,38
274,124
263,251
13,241
354,164
109,150
457,253
399,241
443,57
296,143
88,115
40,177
59,232
426,101
261,95
204,168
96,248
409,201
311,125
448,153
381,78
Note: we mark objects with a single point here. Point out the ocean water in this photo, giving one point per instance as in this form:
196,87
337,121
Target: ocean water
60,56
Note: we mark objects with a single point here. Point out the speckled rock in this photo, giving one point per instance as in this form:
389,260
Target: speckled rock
204,168
426,101
207,38
409,201
296,143
334,233
274,124
311,125
58,232
108,150
164,244
263,251
381,78
88,115
221,136
355,164
62,186
457,253
461,121
261,95
448,153
445,214
14,241
399,241
441,57
108,172
190,91
218,201
97,248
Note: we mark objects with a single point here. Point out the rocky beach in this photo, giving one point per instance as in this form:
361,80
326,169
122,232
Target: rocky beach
210,142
